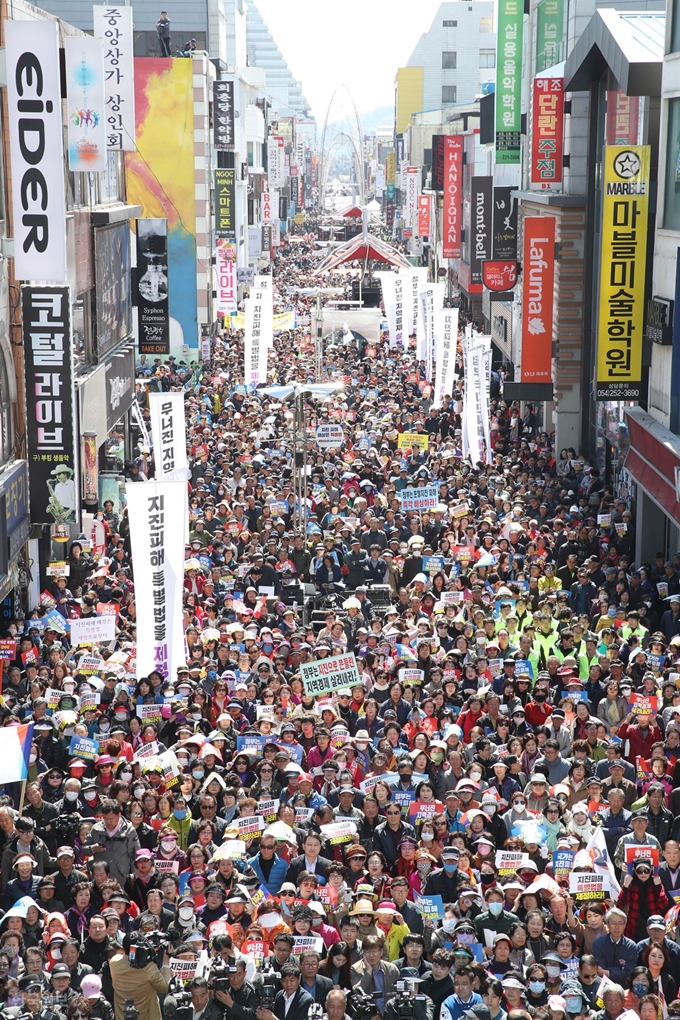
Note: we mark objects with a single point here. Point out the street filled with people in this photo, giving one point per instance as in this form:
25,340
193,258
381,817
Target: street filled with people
479,819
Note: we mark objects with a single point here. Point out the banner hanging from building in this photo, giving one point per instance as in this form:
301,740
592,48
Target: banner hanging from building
453,196
223,114
114,25
168,435
547,131
509,80
504,244
424,206
538,278
438,150
225,202
54,481
85,103
157,529
151,287
37,150
623,262
481,219
225,267
393,299
445,357
412,190
623,117
255,342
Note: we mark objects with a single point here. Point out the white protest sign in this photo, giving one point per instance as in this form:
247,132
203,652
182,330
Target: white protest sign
93,630
330,674
339,832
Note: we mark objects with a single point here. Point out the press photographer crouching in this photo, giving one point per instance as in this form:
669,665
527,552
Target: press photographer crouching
239,998
140,972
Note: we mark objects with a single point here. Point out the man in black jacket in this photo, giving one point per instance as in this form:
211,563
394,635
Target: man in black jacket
313,983
241,1000
438,985
389,835
445,881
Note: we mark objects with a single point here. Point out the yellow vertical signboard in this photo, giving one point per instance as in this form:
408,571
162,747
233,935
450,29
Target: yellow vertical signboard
623,263
390,167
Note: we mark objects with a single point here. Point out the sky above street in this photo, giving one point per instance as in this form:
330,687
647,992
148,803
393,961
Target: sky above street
359,43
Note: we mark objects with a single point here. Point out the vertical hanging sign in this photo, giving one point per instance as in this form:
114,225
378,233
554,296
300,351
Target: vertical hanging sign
225,198
423,216
223,114
114,25
411,175
481,218
225,265
453,195
509,80
85,103
151,287
538,278
547,131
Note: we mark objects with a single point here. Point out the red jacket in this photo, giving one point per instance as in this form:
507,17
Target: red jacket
639,744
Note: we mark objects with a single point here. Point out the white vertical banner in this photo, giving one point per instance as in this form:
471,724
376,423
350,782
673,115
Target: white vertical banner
85,103
36,149
431,298
113,24
486,400
168,433
446,336
264,284
256,337
156,511
475,407
412,176
414,280
225,267
393,299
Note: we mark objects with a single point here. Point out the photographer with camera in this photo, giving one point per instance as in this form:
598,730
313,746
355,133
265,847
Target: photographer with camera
136,975
409,1003
240,998
31,988
204,1007
291,1003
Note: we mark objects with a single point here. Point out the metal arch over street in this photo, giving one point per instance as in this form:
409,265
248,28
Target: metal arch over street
328,146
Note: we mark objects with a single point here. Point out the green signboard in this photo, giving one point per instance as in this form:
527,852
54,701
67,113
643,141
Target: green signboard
509,80
549,34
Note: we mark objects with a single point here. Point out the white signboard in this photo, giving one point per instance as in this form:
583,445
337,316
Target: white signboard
93,629
330,437
85,103
114,25
420,499
330,674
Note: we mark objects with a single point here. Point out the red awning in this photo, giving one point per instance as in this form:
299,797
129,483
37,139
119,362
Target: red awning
653,459
354,211
363,248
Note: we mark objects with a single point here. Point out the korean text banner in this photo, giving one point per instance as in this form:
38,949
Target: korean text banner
623,261
330,674
453,196
50,402
538,275
114,25
225,199
223,114
157,528
225,266
36,147
86,123
168,435
151,287
509,80
547,131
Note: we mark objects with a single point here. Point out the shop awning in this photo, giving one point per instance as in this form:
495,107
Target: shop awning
629,45
363,248
653,460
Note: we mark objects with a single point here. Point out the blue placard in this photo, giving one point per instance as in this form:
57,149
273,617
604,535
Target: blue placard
403,798
524,666
84,748
250,743
295,751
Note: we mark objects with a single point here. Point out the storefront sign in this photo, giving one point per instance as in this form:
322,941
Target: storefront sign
390,167
120,385
547,131
499,276
623,262
453,196
114,25
438,148
509,80
151,286
225,266
538,275
37,151
623,116
481,217
330,674
659,321
223,114
549,33
85,103
225,201
411,189
266,206
423,216
90,468
504,244
114,298
50,401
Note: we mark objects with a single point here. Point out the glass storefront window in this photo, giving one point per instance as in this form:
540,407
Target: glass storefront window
671,205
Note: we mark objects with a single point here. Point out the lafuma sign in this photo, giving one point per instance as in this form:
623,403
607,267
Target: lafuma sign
538,277
36,148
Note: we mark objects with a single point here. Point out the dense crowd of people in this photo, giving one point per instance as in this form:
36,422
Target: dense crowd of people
485,824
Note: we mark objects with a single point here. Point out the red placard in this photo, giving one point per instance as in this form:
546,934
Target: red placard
547,131
453,195
623,115
423,216
538,277
499,275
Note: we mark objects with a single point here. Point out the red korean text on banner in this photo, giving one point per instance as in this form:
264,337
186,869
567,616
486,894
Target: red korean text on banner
453,195
623,117
423,216
538,277
547,131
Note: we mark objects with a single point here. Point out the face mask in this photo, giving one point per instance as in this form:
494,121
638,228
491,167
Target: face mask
448,924
126,776
168,844
484,850
104,727
539,697
573,1004
490,809
639,990
180,813
186,913
537,987
69,731
90,795
437,757
32,758
427,837
450,867
495,908
553,972
487,877
198,773
138,792
120,716
71,795
56,953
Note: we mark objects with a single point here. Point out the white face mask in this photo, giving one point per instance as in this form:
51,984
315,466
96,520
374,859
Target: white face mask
32,759
126,776
71,795
168,844
186,913
269,920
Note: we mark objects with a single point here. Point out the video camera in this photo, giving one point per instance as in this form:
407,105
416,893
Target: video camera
65,828
218,979
407,1004
178,1004
130,1011
361,1005
268,987
145,949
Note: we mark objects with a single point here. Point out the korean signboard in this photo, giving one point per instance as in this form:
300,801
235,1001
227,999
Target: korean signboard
504,243
50,432
438,148
330,674
223,114
423,216
114,25
549,34
453,196
538,275
623,260
623,115
225,266
481,217
36,146
509,80
225,199
547,131
85,103
151,286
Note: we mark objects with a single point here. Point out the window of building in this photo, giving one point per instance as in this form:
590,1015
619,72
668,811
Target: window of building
448,94
675,27
449,61
450,24
487,58
485,25
671,211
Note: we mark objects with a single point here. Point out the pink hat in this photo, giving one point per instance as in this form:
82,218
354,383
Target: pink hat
91,986
386,905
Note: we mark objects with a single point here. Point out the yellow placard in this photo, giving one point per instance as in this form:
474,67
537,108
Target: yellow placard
623,262
284,320
413,441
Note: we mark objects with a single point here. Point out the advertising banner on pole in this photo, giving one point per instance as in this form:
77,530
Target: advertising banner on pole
225,266
113,24
50,405
623,262
509,81
547,131
481,219
151,287
424,206
223,114
504,244
85,103
453,196
538,278
37,150
225,202
412,189
157,529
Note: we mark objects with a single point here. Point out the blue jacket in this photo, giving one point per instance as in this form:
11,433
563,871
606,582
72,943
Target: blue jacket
454,1008
618,958
277,876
